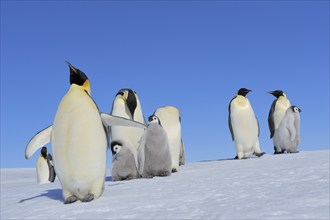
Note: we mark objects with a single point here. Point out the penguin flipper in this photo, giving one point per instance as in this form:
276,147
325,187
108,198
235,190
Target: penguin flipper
258,127
229,120
38,141
111,120
182,158
52,173
292,130
141,153
271,123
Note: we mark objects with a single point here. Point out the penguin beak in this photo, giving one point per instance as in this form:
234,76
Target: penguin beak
247,91
299,110
72,68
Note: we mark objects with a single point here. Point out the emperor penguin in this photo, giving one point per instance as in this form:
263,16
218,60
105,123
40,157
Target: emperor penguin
244,126
124,161
171,122
288,132
79,141
127,105
45,168
154,156
276,114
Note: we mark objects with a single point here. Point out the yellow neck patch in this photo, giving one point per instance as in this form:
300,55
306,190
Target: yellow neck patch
86,86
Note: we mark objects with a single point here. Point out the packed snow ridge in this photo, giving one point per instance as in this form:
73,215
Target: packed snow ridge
288,186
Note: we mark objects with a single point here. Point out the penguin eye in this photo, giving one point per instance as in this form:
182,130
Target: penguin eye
296,109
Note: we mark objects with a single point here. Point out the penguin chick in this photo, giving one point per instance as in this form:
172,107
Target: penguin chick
288,133
124,161
154,153
45,168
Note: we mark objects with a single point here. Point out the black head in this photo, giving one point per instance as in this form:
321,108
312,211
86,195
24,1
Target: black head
295,109
113,145
44,152
154,119
243,91
277,93
76,76
131,102
121,93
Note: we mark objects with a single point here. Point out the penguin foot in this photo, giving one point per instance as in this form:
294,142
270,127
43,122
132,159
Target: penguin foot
259,154
174,170
148,176
164,173
278,152
244,158
294,152
129,178
281,152
70,199
89,197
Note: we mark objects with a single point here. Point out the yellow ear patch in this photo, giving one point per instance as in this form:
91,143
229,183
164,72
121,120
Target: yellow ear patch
87,86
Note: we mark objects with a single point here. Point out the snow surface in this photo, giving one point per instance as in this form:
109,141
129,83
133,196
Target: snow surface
290,186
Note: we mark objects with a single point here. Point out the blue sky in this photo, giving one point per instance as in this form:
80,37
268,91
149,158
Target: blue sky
194,55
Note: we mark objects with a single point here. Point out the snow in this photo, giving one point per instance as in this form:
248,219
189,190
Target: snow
289,186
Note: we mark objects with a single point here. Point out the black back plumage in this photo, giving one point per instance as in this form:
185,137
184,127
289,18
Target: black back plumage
229,120
271,122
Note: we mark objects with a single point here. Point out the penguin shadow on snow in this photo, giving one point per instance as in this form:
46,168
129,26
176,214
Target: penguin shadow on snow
234,158
109,179
54,194
205,161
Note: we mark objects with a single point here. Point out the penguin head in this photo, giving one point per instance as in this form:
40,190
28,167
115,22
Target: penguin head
79,78
277,93
243,91
116,147
129,97
153,119
44,152
295,109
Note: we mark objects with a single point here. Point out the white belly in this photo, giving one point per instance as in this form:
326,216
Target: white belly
281,106
129,134
169,118
79,143
42,171
245,126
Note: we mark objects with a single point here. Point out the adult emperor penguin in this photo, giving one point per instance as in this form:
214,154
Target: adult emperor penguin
45,168
124,161
79,141
276,114
171,122
243,125
288,132
127,105
154,155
